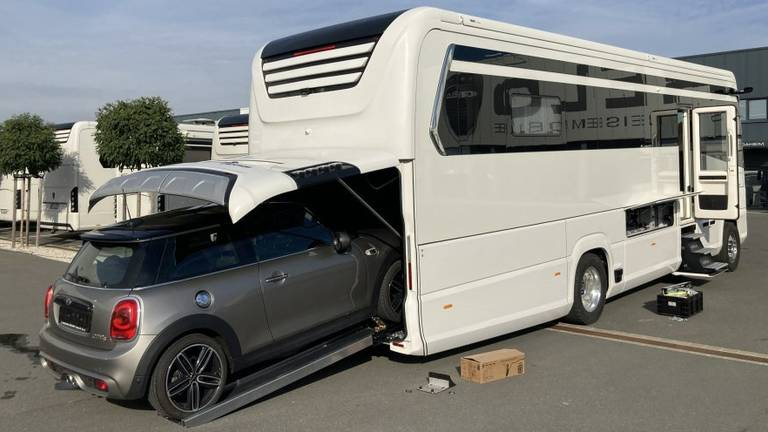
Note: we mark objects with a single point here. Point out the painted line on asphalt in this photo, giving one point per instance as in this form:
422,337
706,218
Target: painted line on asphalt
664,344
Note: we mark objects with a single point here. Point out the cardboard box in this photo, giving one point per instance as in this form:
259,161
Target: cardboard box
493,365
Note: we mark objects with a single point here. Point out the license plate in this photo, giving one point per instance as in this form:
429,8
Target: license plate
53,206
75,318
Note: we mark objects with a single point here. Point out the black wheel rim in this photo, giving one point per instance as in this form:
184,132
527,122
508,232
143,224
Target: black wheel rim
194,378
397,291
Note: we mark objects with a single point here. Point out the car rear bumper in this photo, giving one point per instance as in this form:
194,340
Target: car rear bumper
84,365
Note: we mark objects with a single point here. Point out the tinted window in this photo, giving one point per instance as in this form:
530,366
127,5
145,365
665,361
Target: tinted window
115,265
277,230
713,141
198,253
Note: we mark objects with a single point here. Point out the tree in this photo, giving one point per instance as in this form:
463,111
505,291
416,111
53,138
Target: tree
27,146
27,150
138,133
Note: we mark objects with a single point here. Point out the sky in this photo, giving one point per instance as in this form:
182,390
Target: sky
65,59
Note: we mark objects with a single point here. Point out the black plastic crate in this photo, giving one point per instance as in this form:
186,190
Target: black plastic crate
683,307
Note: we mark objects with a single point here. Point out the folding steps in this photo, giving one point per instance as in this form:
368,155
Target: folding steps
698,260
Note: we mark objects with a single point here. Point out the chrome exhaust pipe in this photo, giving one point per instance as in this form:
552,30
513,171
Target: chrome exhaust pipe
68,382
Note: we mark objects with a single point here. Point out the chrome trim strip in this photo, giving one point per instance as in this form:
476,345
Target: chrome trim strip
439,100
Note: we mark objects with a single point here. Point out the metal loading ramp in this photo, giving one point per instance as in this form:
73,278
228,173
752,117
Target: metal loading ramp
284,373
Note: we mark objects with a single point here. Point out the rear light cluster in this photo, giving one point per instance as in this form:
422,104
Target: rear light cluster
125,320
48,299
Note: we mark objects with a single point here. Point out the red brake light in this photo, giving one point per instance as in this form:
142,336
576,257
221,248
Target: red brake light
101,385
125,320
48,298
313,50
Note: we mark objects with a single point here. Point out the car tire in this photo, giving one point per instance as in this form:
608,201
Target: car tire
730,252
589,291
179,376
391,291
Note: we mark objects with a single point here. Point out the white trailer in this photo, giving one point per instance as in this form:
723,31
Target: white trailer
67,188
230,137
539,174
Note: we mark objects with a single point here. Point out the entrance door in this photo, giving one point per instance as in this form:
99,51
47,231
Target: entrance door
672,128
715,174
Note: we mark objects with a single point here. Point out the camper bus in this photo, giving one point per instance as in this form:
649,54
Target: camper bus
537,174
230,137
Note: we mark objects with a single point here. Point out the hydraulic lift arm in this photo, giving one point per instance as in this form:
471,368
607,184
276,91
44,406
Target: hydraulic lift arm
368,206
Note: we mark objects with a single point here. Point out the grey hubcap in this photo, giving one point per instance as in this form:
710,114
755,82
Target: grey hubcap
733,248
591,289
194,378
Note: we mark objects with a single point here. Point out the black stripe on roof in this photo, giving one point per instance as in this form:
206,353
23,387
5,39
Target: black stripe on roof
235,120
358,29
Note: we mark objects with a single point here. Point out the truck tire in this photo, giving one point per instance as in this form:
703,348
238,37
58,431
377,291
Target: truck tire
391,291
730,252
590,288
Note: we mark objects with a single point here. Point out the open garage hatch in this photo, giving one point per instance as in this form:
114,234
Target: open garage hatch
241,184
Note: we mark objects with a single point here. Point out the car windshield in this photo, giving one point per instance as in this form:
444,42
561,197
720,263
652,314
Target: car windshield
121,265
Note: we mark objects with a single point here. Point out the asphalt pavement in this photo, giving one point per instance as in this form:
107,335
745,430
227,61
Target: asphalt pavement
572,383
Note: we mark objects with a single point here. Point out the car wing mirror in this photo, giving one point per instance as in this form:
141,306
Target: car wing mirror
342,242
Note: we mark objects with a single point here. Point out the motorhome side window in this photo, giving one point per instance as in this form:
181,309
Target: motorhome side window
498,112
714,141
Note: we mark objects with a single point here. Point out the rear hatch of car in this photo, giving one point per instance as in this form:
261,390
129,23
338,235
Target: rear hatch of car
241,184
99,277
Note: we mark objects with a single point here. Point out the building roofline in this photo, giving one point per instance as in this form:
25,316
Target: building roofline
724,52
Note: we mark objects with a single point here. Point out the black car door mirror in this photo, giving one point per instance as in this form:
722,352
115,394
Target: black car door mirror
342,242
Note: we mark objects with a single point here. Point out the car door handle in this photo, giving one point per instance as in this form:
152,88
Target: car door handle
276,277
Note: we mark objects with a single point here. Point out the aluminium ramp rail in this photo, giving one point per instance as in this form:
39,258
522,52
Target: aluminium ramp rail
271,379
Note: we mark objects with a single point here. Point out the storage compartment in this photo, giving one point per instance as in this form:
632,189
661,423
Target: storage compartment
650,217
679,300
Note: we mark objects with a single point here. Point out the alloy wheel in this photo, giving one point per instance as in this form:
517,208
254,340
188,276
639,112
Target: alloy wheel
591,289
194,378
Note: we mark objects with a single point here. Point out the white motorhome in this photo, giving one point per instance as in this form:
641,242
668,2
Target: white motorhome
230,137
66,189
198,139
537,174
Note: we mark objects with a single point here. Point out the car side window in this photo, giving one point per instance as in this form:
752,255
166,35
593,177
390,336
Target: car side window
198,253
289,229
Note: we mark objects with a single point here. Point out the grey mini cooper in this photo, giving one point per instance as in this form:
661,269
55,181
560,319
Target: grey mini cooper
172,306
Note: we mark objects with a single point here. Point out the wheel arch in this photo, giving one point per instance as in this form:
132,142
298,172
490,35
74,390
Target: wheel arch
597,244
208,325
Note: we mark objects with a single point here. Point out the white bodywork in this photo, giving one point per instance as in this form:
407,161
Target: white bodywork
493,239
229,141
77,177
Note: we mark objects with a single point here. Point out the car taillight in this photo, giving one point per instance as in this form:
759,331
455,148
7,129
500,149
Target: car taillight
48,298
125,320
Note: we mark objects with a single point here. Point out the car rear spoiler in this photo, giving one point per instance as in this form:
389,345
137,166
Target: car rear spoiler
243,183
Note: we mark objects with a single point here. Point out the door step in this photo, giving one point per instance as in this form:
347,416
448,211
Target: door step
710,271
693,235
702,250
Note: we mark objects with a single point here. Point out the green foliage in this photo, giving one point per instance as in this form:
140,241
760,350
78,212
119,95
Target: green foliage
138,133
27,146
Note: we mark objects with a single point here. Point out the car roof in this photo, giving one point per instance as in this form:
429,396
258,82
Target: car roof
161,224
168,223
